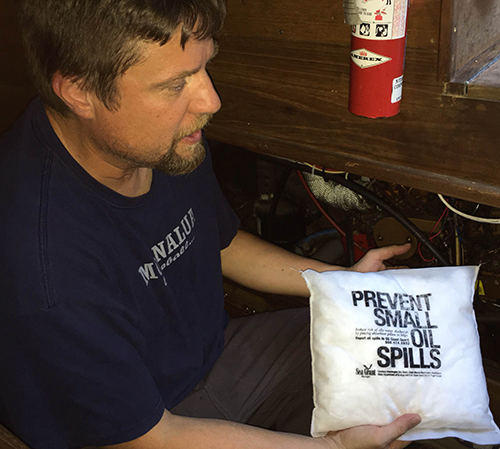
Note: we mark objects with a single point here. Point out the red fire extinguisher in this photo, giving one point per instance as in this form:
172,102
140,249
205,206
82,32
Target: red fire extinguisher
378,47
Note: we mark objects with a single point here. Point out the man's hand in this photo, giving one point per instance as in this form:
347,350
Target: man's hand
373,437
373,260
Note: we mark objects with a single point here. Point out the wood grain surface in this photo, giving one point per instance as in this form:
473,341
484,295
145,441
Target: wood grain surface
476,28
283,76
286,95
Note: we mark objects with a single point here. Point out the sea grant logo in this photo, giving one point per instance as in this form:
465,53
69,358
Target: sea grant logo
366,371
365,58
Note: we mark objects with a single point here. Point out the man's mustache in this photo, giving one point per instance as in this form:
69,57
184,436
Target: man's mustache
200,123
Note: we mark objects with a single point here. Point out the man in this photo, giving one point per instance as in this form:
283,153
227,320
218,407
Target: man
115,238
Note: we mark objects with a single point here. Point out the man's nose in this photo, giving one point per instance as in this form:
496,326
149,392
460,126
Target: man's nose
207,100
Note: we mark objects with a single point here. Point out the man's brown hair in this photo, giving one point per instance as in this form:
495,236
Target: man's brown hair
96,41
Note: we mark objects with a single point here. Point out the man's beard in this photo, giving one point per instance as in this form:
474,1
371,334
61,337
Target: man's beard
169,162
172,164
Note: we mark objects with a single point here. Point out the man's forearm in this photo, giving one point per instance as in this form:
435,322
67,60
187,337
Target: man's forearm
263,266
218,434
178,432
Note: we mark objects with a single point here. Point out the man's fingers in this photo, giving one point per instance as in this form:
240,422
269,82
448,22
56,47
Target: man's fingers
397,428
374,437
387,252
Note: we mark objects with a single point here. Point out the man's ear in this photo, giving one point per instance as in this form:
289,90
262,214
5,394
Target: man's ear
74,95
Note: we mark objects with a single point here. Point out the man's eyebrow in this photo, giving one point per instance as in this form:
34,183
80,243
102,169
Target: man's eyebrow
174,79
180,76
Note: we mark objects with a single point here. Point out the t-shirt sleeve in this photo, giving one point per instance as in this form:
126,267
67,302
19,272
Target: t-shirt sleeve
228,222
75,377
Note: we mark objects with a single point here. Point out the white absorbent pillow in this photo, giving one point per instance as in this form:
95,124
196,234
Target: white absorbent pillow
394,342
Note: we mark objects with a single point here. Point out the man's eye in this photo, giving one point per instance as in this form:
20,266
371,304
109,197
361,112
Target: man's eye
178,86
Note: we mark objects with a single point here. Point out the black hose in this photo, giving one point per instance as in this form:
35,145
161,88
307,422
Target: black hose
373,198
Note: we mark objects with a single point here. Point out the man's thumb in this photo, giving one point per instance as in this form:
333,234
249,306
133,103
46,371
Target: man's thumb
399,427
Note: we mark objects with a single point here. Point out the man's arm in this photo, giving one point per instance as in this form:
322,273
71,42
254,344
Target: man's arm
177,432
263,266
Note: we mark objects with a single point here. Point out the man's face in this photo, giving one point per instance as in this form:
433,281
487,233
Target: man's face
165,100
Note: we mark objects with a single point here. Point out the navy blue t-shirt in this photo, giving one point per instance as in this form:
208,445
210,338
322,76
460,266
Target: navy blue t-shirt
111,308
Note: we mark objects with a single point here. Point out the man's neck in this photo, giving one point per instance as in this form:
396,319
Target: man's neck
115,174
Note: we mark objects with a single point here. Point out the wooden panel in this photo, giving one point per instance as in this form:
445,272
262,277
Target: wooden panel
482,92
477,25
325,65
319,21
469,72
286,94
487,87
469,40
490,76
290,99
446,42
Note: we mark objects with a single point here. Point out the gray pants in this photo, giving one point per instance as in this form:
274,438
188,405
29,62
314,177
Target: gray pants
263,376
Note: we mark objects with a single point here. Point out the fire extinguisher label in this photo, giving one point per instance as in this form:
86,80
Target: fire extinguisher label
397,89
381,19
365,58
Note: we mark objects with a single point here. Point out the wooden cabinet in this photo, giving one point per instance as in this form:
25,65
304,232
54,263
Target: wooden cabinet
283,75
